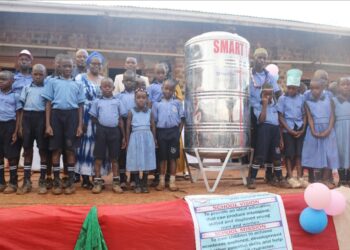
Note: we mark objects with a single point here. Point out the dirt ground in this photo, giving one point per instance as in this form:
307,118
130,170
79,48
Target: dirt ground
230,184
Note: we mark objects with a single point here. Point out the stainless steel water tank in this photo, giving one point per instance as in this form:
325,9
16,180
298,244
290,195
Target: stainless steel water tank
217,85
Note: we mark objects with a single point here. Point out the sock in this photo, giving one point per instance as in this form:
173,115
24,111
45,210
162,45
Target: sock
172,178
43,169
98,179
2,173
13,174
71,172
278,171
56,171
116,178
254,171
27,171
268,168
162,178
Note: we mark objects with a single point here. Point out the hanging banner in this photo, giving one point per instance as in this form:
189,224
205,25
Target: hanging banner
250,221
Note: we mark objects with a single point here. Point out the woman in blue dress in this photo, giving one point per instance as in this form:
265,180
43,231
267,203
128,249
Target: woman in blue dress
320,151
91,81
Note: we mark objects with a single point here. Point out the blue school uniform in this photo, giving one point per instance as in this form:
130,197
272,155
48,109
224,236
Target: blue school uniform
256,81
127,100
141,149
31,97
320,152
271,114
9,104
168,113
64,94
155,93
342,130
292,108
106,111
20,81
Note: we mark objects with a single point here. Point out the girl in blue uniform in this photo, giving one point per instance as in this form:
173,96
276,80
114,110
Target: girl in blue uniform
140,134
320,149
342,129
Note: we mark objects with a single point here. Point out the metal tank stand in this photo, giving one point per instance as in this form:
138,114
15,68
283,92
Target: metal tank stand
220,167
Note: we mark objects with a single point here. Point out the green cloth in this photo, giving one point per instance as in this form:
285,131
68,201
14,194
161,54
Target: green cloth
91,237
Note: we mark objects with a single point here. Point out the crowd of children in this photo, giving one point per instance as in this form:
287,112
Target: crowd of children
84,117
310,128
133,126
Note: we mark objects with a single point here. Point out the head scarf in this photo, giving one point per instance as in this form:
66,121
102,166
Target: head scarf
93,55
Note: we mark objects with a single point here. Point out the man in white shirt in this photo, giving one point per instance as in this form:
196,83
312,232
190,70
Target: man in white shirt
130,63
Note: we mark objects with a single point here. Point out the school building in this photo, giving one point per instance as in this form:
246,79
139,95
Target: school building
153,35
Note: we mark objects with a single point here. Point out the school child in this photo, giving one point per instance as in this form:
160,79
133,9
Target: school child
155,94
267,149
140,134
130,64
293,120
64,121
32,128
56,73
10,146
23,77
127,99
155,89
169,118
342,129
320,151
105,112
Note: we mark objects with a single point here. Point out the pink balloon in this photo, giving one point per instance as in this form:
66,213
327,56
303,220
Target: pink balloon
317,196
337,205
272,69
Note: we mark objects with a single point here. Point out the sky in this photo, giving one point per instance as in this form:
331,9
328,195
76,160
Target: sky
334,13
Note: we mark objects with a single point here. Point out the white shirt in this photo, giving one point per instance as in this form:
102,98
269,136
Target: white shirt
119,85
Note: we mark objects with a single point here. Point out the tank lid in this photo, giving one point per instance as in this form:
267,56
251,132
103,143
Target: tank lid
216,35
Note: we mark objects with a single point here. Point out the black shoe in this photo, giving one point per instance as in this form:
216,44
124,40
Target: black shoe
144,186
49,182
65,181
76,178
57,186
86,182
251,183
42,186
155,181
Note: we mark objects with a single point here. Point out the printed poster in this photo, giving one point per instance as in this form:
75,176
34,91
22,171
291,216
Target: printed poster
249,221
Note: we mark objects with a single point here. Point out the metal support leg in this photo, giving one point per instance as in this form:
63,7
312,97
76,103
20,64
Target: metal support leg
221,170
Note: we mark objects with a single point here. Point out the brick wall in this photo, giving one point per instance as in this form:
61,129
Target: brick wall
159,37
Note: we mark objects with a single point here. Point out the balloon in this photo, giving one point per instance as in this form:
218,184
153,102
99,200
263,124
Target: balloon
313,221
317,196
272,69
337,205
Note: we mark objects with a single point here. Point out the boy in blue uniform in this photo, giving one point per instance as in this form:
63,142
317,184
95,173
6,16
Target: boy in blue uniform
33,128
267,138
293,120
23,77
258,76
155,92
169,118
127,99
105,112
9,124
64,121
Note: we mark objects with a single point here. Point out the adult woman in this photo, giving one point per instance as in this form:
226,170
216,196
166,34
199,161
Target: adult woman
91,81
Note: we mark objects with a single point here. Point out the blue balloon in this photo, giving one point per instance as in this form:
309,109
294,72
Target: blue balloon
313,221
